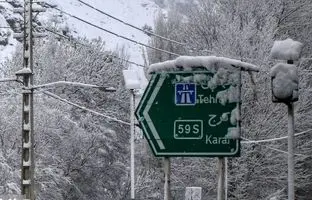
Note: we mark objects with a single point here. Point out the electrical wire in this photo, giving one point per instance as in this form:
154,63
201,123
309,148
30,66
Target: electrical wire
272,139
113,33
50,94
105,88
80,43
140,65
117,35
275,149
135,27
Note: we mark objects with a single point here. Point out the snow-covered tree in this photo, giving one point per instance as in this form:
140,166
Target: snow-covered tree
79,154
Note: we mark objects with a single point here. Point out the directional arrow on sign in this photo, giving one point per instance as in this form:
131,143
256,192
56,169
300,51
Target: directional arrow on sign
149,104
185,118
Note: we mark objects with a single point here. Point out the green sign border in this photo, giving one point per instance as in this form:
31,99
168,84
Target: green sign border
155,83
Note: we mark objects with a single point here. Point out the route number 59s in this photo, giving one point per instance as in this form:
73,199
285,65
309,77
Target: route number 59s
188,129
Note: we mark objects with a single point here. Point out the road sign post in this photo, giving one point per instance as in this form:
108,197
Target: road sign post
167,171
221,178
192,113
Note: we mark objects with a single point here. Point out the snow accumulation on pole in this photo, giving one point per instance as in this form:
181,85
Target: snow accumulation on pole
189,63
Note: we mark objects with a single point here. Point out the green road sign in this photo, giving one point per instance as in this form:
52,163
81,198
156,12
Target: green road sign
191,114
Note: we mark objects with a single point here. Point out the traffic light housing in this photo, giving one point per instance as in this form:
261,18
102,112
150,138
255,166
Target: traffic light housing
284,83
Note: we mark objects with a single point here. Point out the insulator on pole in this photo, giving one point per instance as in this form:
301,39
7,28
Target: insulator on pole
18,35
39,35
39,9
18,10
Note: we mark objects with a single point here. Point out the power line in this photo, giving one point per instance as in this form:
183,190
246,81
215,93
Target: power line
8,79
140,65
135,27
13,1
306,58
115,34
273,139
105,88
50,94
80,43
275,149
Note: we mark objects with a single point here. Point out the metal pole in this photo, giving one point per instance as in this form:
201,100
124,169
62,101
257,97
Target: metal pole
132,129
291,167
167,194
225,178
28,164
221,178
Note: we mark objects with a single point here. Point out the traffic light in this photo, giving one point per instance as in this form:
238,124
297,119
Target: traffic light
284,83
284,75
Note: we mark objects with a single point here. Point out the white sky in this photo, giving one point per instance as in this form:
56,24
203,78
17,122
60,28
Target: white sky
135,12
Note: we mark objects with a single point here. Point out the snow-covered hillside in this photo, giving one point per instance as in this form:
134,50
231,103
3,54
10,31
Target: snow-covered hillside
135,12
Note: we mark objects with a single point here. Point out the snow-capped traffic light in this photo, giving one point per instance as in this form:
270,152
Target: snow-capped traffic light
284,76
284,83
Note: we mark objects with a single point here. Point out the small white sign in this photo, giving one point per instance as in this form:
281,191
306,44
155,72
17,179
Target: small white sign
193,193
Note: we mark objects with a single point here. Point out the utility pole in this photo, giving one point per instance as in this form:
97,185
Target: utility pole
28,164
26,73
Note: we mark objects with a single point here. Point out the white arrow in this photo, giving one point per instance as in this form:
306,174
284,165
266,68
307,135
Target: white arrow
147,108
140,107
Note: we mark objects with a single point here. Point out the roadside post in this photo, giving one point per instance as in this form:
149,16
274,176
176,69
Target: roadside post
285,89
132,83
